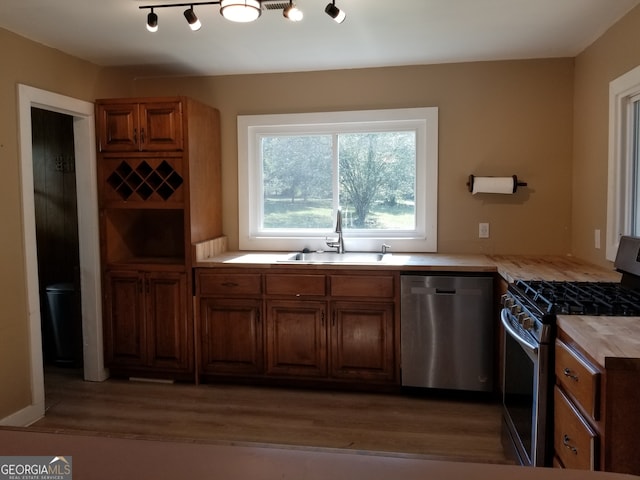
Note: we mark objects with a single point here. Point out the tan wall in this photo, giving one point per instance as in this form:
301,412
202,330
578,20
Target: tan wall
496,118
31,64
613,54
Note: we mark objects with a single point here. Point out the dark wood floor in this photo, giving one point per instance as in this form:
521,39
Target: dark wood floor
434,425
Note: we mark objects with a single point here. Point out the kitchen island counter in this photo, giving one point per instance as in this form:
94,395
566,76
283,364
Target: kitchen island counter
102,457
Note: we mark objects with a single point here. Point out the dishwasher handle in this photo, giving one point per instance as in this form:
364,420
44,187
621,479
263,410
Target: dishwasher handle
445,291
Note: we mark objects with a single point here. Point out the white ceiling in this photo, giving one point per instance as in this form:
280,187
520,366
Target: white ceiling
376,33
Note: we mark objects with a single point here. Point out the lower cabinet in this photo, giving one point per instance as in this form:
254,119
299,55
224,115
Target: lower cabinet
145,325
596,415
231,336
296,338
362,339
287,326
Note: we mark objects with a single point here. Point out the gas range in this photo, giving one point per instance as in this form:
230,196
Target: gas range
528,318
534,304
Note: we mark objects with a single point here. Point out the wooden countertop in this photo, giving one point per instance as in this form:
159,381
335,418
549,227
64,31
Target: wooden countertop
556,268
613,342
510,267
108,458
394,261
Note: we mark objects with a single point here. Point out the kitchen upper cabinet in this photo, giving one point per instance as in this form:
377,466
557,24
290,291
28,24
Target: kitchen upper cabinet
153,125
159,179
144,323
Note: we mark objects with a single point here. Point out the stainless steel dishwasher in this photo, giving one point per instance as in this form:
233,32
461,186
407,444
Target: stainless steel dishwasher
447,332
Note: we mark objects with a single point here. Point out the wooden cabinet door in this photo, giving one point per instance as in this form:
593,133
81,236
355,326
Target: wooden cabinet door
117,126
168,332
133,127
125,332
230,336
362,341
161,126
296,338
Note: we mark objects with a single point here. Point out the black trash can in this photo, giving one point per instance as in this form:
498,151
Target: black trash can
61,298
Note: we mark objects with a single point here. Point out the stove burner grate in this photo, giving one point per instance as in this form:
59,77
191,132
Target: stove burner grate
581,298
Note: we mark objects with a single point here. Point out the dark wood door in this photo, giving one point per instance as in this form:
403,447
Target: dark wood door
125,332
231,336
362,341
169,336
296,338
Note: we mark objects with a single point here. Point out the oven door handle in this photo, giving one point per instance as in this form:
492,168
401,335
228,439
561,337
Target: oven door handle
504,314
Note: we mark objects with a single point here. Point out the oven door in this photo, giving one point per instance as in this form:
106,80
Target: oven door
525,393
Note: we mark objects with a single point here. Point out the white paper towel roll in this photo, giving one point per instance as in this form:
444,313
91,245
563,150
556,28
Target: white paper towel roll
493,185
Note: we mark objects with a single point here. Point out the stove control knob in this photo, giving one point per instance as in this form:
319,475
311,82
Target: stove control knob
527,323
507,301
516,309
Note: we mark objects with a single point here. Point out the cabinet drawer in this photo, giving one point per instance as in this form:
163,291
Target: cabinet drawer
574,440
373,286
297,285
578,378
229,284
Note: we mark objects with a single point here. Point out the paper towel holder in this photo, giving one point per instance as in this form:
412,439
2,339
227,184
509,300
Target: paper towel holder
516,183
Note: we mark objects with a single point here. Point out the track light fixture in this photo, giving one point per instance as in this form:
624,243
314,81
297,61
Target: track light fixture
152,21
334,12
192,19
292,12
240,11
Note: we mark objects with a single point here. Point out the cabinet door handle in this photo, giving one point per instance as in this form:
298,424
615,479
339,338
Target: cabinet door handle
135,135
567,372
142,135
229,284
565,442
322,319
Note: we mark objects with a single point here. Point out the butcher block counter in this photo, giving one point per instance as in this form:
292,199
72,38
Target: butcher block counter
551,268
510,267
108,458
607,340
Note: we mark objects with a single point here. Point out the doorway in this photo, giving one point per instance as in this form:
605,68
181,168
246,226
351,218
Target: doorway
56,217
89,247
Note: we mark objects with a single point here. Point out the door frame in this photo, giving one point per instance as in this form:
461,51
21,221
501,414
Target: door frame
89,242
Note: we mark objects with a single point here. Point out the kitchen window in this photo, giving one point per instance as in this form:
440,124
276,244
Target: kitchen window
623,202
379,167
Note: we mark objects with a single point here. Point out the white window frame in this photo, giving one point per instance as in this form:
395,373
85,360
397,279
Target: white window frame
252,127
620,173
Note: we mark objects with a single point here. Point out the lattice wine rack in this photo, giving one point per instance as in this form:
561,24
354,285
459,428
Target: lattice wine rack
144,180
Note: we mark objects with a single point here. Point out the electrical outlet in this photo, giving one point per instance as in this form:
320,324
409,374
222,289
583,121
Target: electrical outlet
483,230
597,238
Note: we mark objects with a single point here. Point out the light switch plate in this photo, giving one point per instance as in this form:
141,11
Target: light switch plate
483,230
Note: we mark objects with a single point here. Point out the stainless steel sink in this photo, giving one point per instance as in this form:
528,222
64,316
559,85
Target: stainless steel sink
334,257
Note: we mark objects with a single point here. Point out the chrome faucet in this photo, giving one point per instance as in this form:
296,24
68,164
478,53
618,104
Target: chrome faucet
339,243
